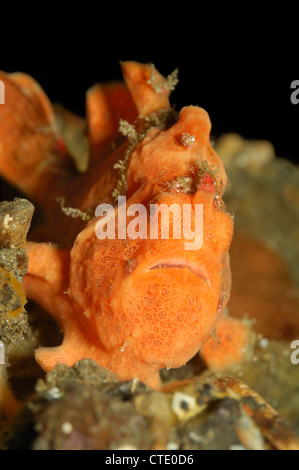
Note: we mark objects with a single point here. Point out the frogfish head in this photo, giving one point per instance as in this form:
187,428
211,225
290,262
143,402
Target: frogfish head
157,281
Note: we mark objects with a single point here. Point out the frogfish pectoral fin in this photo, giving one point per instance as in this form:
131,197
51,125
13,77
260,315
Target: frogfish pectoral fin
46,281
29,138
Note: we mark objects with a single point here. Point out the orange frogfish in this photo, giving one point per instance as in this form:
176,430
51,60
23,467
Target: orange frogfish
133,302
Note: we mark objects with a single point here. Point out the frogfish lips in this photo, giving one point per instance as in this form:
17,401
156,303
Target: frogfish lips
196,270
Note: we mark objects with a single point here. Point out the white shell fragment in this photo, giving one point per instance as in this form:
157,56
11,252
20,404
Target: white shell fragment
184,405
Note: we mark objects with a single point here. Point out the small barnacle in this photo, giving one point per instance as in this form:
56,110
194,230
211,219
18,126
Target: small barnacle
184,405
187,140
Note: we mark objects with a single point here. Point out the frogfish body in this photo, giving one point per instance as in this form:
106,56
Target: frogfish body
138,303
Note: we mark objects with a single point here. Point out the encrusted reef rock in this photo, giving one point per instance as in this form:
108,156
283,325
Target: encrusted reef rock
86,407
263,194
264,197
15,218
